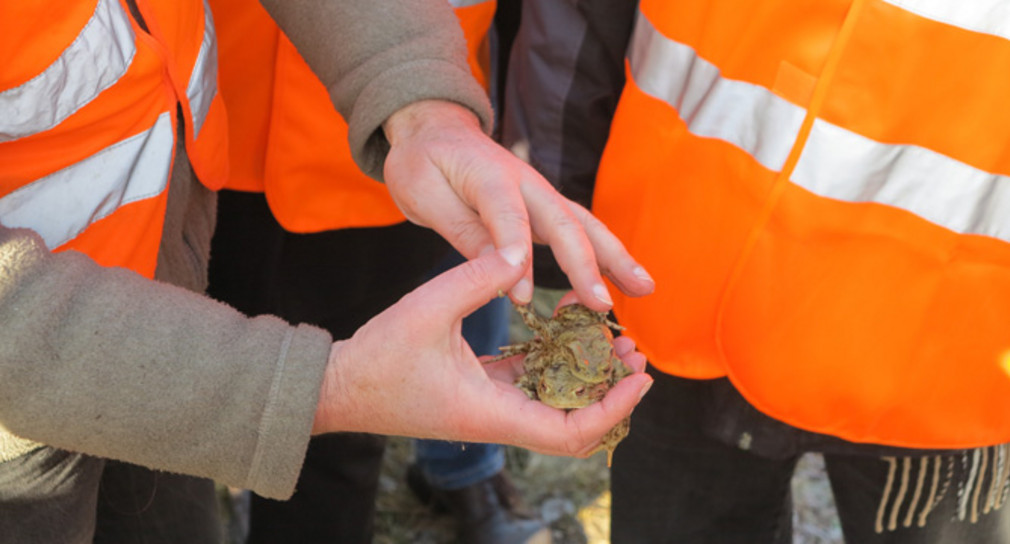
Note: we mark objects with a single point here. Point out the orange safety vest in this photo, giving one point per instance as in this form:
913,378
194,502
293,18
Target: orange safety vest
287,140
821,189
88,103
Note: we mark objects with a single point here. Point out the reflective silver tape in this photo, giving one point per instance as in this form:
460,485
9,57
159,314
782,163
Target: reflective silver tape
202,86
63,204
837,163
466,3
985,16
746,115
95,60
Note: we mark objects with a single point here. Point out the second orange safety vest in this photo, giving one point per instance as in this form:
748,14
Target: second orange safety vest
287,140
821,189
88,111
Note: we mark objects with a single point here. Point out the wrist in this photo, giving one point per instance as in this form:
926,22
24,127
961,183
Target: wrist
325,420
423,115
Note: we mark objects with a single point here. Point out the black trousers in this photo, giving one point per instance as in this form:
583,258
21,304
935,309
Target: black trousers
337,280
678,478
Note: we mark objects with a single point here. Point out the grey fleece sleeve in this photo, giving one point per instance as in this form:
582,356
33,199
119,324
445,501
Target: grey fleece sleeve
377,57
106,362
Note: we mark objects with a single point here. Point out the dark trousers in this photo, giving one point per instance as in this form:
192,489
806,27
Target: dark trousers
337,280
674,482
59,497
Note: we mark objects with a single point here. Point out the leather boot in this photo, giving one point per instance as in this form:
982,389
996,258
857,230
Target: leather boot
487,512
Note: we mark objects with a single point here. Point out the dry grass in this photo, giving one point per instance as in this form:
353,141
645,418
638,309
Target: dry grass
571,494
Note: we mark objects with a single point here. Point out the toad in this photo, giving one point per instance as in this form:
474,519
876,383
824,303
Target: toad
570,362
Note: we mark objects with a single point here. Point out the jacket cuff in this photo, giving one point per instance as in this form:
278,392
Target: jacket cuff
286,422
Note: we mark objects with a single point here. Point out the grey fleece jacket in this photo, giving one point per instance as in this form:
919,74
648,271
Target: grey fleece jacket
106,362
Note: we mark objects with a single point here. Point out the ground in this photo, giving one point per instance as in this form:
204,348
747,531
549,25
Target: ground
573,496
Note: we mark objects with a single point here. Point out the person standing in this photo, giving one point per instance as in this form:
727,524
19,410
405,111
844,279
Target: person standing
818,190
112,142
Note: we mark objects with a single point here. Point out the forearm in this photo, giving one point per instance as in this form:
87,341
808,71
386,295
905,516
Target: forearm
103,361
377,57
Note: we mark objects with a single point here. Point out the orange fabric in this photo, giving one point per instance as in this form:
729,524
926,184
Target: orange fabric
918,106
248,37
154,83
854,319
735,36
287,139
690,259
24,49
475,21
312,183
178,28
98,124
135,247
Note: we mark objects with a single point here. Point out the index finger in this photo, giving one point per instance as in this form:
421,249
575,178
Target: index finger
554,222
500,205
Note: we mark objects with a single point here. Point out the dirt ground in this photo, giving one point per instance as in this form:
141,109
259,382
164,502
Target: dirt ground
573,496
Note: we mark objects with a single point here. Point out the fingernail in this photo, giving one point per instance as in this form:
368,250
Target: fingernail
487,249
645,390
514,254
642,274
601,293
523,291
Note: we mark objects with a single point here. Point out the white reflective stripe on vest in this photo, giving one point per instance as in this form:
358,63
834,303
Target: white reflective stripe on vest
746,115
841,164
96,59
466,3
63,204
202,85
985,16
835,163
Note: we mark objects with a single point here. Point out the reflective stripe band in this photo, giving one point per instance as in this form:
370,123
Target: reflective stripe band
986,16
62,205
835,163
202,86
466,3
746,115
840,164
96,59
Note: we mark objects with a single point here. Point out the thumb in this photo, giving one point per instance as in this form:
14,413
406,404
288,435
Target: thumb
467,287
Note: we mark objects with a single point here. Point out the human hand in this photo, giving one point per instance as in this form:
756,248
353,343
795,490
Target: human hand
409,372
446,174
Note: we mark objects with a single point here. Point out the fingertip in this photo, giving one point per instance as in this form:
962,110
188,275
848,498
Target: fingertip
514,254
623,345
645,388
591,299
522,291
636,362
602,294
641,273
569,298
